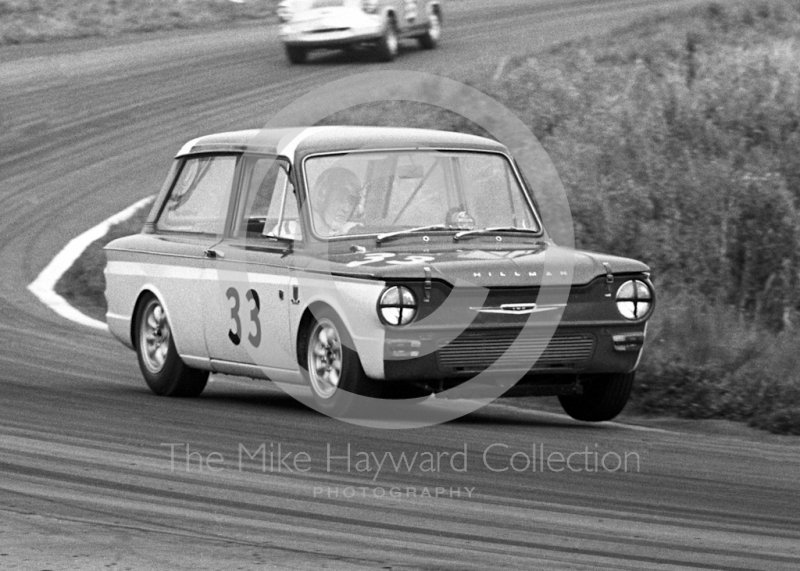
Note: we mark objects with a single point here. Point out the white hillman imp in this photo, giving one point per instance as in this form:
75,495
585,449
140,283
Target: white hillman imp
391,263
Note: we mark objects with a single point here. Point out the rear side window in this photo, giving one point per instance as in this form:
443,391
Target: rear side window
199,198
269,205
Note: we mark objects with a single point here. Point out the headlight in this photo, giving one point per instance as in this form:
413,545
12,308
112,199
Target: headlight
369,6
397,306
634,299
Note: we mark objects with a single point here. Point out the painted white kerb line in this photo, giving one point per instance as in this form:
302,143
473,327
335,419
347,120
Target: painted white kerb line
43,287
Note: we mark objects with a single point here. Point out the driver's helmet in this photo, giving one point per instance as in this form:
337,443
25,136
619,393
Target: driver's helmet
339,199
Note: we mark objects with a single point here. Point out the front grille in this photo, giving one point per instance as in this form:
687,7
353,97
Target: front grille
478,351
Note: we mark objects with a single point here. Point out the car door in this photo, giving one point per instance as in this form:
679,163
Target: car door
247,297
191,220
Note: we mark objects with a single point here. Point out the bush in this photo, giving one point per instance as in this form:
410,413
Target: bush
703,360
677,141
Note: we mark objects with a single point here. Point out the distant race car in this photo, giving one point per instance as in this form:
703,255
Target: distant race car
370,261
345,24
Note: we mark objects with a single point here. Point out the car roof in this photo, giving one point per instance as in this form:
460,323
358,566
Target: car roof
297,142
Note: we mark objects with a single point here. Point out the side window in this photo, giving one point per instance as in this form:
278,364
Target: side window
268,207
199,198
290,221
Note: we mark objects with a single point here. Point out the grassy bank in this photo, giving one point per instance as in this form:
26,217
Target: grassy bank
677,140
703,360
43,20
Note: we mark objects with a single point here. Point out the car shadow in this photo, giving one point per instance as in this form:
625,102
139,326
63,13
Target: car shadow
486,417
239,397
357,55
273,399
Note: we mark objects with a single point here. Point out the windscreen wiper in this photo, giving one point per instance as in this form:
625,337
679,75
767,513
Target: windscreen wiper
493,230
383,237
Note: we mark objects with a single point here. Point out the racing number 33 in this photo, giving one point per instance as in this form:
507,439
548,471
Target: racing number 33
235,335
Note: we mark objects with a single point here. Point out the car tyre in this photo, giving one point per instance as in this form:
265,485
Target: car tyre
296,55
603,398
400,390
332,367
430,39
164,371
389,44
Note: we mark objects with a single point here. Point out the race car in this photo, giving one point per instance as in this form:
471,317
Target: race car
368,261
347,24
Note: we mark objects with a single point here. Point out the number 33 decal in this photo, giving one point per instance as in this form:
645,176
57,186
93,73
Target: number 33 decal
376,258
235,335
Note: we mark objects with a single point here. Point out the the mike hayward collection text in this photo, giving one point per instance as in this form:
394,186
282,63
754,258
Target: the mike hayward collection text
497,457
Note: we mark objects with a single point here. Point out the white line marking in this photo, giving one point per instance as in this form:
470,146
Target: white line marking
43,287
501,66
559,416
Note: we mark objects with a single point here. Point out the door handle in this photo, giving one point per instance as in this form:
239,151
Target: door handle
213,254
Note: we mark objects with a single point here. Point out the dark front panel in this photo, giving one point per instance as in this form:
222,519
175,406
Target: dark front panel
476,351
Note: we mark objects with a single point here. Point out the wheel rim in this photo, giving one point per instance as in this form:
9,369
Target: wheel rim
154,336
435,29
324,359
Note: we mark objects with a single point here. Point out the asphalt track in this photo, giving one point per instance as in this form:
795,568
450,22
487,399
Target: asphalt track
86,482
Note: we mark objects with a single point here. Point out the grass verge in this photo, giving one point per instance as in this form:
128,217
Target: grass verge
23,21
677,140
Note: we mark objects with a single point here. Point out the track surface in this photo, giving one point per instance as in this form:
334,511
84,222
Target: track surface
85,480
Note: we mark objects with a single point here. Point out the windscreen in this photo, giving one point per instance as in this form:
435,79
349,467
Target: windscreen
378,192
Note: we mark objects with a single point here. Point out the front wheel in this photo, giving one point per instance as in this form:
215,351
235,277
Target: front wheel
389,44
603,398
430,39
333,368
163,370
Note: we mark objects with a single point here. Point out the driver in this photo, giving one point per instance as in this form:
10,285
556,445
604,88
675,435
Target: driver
340,195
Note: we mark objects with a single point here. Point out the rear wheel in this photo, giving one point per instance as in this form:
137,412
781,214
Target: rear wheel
603,398
296,54
163,370
430,38
389,44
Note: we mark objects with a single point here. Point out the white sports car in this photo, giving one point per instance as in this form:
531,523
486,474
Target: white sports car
345,24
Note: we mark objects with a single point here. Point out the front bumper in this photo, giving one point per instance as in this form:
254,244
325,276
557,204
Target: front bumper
332,33
439,356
